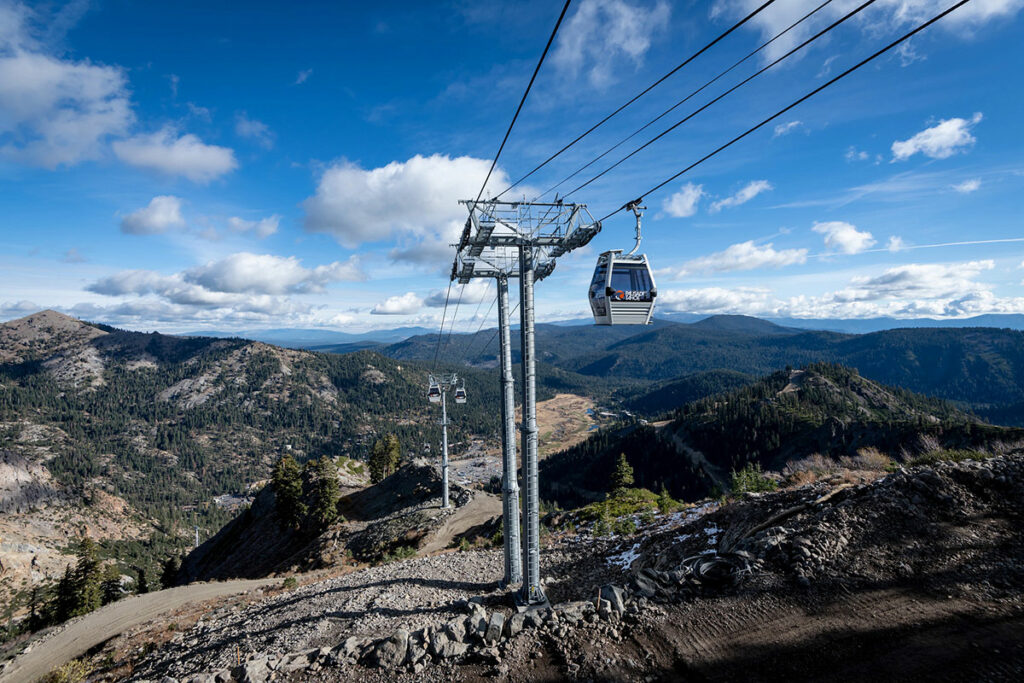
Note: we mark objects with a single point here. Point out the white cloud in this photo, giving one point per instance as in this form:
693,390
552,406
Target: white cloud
406,304
844,237
896,244
750,191
786,128
744,256
18,309
415,199
885,16
161,214
968,186
684,203
473,293
941,141
55,111
603,32
749,300
254,130
853,154
907,291
269,274
265,227
187,155
303,76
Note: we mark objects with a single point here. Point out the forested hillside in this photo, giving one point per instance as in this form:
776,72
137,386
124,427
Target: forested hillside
823,409
981,369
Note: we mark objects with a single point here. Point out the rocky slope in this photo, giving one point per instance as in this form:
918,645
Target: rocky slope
403,512
915,575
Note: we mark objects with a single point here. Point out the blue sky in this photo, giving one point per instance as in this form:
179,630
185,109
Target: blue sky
178,167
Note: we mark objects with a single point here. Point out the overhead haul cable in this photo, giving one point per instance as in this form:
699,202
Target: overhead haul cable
731,90
684,100
494,163
803,99
643,92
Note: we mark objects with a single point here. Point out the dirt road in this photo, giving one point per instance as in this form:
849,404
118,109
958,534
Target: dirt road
482,508
107,622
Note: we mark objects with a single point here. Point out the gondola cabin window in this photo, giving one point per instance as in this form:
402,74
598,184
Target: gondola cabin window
630,282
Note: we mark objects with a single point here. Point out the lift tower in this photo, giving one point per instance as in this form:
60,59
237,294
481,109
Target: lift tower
501,238
442,383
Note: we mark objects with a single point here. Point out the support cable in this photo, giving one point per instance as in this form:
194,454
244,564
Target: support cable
646,90
465,349
440,332
682,101
803,99
731,90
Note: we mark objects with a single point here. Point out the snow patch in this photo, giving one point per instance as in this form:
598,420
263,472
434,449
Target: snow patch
625,560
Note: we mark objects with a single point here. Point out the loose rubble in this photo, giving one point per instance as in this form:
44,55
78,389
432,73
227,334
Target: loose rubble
814,539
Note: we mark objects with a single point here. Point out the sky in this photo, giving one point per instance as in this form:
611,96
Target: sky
207,166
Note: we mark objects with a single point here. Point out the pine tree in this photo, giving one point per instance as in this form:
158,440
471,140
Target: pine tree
169,572
325,491
622,477
287,482
86,579
141,582
385,458
110,585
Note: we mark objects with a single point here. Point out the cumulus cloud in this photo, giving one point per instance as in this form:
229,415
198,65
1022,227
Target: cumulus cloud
853,154
265,227
269,274
473,293
55,111
242,282
415,201
844,237
896,244
186,155
303,76
968,186
750,191
18,309
885,16
405,304
253,130
684,203
786,128
744,256
949,290
941,141
602,33
160,215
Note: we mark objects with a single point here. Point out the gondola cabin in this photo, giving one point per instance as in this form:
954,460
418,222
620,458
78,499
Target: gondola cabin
460,394
622,291
434,393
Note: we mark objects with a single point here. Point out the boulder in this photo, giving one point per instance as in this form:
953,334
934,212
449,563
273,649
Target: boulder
391,653
615,596
495,625
253,671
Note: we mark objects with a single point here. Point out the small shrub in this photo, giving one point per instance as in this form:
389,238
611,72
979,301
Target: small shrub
289,583
624,526
398,553
751,479
74,671
647,517
464,544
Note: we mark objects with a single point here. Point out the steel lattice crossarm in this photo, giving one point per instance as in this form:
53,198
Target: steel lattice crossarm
495,263
556,227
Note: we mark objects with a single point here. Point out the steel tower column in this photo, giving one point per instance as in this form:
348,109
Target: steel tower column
509,471
444,447
531,592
